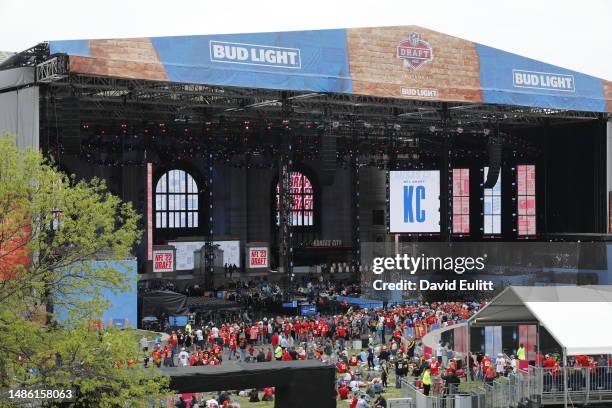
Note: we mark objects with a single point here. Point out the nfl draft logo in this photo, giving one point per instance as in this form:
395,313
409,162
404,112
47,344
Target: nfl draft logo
414,51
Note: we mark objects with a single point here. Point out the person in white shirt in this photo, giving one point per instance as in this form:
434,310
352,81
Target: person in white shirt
212,403
183,358
439,352
513,363
500,364
362,402
144,343
283,341
199,337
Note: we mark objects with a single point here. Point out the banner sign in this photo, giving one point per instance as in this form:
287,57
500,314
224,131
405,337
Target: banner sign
308,310
163,260
258,257
399,62
251,54
414,201
185,252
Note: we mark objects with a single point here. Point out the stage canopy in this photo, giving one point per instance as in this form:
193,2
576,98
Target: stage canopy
575,316
399,62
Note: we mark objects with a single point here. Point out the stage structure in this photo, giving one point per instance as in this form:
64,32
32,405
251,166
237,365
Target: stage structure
288,140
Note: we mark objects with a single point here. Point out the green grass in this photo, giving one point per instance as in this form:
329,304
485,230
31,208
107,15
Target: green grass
390,392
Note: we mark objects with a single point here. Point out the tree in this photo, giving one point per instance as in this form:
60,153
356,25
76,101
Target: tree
51,229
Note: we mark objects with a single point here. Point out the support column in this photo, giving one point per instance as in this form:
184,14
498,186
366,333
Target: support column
565,373
209,252
355,201
445,179
285,233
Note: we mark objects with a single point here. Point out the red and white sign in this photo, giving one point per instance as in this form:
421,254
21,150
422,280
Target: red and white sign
258,257
163,260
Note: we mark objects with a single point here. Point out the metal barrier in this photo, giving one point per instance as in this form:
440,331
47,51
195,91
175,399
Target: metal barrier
585,385
440,397
536,385
401,403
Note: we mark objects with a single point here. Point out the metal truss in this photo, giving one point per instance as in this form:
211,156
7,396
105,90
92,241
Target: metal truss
53,69
163,101
28,58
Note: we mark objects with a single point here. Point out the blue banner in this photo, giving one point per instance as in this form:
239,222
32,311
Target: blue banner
300,60
510,79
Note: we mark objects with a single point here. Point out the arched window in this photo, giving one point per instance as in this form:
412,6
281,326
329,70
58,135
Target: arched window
302,200
176,200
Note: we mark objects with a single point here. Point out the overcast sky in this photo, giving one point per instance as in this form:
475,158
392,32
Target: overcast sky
574,34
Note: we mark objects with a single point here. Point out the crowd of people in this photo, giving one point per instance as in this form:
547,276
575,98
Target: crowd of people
365,345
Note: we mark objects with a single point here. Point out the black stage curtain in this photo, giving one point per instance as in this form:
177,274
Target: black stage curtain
164,301
299,384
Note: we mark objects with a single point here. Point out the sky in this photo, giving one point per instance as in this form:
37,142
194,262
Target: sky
572,34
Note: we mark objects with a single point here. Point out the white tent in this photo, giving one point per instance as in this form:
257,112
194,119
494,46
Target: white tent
579,318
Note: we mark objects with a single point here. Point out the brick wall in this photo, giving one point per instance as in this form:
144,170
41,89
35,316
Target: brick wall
453,72
127,58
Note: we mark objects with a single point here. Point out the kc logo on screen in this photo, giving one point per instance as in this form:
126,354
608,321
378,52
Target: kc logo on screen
414,51
413,199
253,54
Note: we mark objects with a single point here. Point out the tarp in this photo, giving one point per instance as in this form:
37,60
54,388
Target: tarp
577,317
123,305
19,113
402,62
17,77
306,384
164,301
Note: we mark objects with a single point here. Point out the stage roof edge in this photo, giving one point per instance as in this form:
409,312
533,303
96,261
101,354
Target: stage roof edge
398,62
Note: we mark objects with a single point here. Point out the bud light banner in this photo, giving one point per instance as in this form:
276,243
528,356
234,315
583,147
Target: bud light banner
414,201
407,62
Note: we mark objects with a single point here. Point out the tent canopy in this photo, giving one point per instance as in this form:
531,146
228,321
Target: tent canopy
575,316
398,62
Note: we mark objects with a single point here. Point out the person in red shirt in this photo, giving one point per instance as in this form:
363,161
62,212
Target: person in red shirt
286,356
167,353
342,368
485,363
173,341
549,363
254,335
343,392
397,335
353,361
268,394
434,367
232,348
157,356
275,340
287,329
